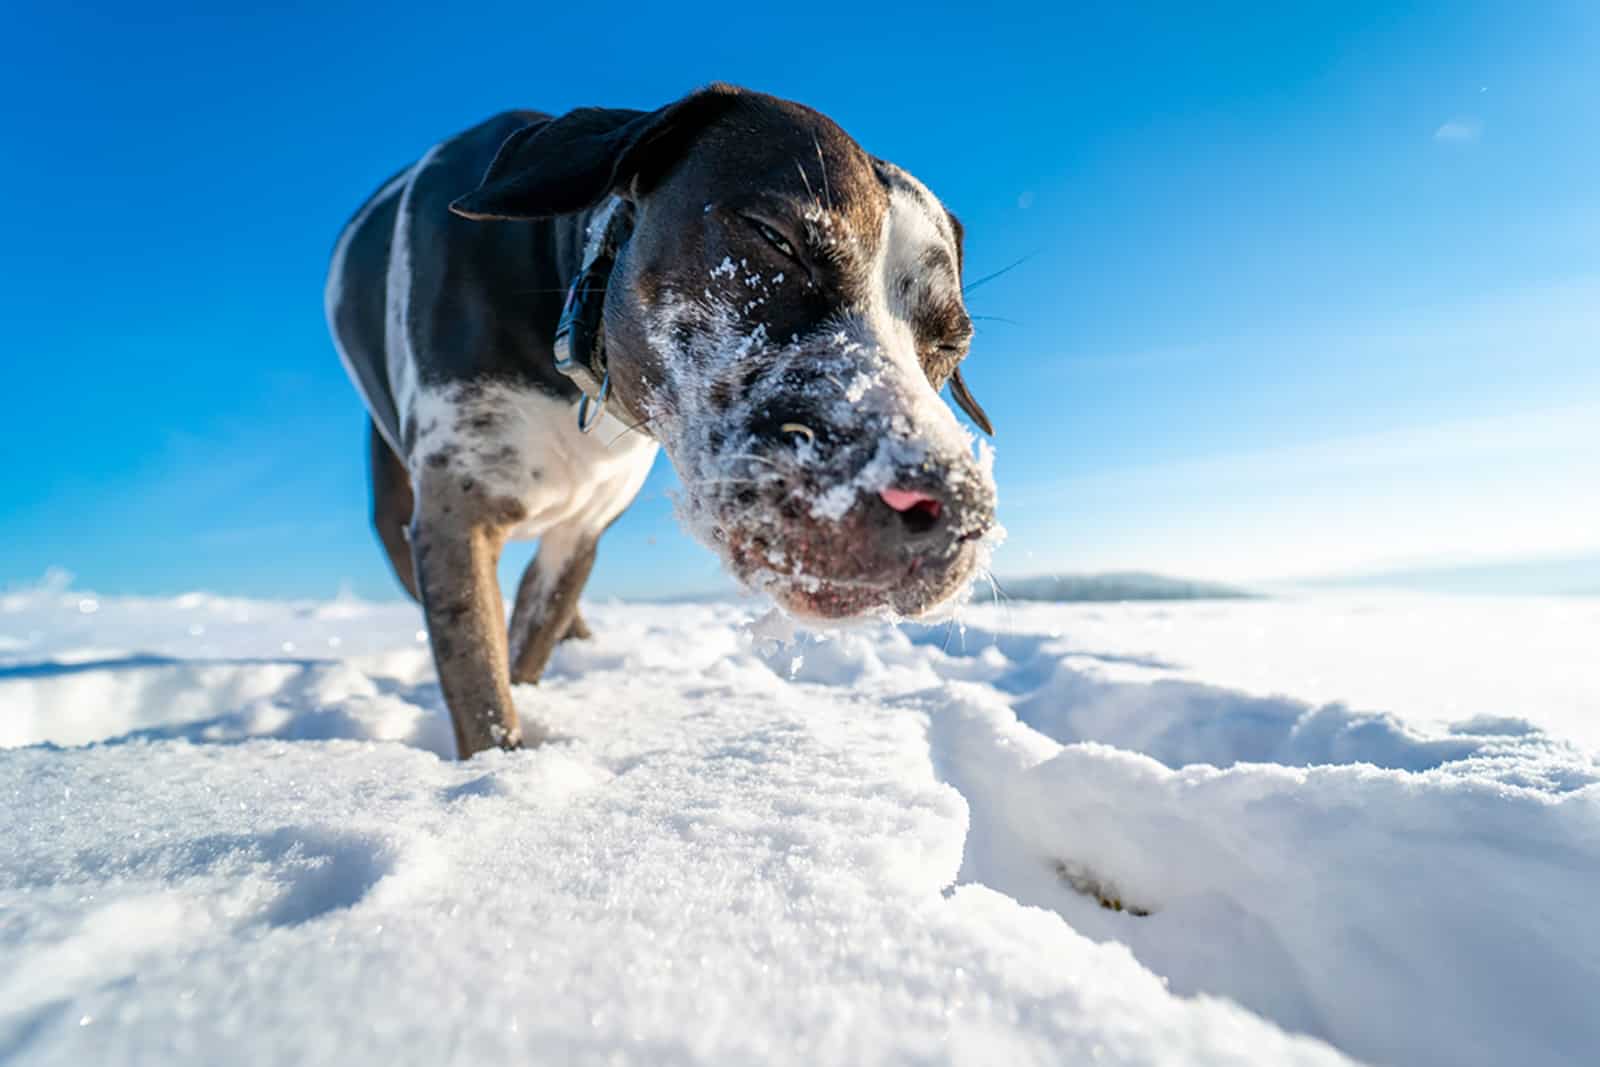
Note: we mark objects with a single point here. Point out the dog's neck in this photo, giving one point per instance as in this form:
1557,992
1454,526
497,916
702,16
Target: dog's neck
579,341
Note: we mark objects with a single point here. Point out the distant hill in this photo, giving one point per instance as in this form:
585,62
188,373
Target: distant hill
1559,576
1121,585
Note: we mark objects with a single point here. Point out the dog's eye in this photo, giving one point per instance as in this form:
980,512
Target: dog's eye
958,339
773,237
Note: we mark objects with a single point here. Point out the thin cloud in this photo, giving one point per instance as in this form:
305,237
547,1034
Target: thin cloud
1459,131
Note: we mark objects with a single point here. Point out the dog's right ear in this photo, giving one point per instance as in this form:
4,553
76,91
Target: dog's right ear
575,161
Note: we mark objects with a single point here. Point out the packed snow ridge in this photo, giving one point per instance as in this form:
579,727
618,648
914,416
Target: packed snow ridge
231,833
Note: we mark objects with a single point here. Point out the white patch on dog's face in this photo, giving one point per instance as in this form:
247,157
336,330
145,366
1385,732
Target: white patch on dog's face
904,280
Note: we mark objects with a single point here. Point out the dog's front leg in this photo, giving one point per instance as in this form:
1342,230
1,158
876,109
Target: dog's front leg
456,542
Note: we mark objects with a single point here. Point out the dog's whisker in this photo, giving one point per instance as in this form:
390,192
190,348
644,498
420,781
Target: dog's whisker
702,483
999,596
807,183
774,464
1007,600
826,192
626,430
987,278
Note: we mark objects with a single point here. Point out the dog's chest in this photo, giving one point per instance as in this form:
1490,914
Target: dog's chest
521,450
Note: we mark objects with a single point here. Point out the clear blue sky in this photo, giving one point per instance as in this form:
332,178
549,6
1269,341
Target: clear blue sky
1314,288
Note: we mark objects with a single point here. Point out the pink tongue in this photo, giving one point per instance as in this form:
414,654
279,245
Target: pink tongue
906,499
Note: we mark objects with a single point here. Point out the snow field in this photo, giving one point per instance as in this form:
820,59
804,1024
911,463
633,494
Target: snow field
229,837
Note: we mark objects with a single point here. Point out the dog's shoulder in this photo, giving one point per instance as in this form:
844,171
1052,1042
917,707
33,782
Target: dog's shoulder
468,153
480,299
452,167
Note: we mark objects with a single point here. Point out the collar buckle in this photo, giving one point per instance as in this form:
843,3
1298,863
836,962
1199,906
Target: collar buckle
590,408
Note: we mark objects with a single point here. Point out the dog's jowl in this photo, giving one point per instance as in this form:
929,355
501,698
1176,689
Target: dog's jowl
534,305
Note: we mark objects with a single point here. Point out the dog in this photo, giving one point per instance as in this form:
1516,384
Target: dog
536,305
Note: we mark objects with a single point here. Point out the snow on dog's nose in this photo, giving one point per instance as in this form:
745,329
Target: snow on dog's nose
852,517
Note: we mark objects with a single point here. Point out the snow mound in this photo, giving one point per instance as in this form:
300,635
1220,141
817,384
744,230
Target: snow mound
230,837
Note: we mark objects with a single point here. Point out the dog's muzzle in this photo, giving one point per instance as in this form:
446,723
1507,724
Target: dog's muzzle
837,523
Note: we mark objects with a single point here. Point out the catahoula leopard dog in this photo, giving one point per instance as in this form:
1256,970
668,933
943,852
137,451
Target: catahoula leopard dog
536,305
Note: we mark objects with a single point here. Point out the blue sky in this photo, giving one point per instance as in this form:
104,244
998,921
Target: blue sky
1313,289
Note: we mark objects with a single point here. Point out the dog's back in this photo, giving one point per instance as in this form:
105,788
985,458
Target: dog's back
355,299
403,247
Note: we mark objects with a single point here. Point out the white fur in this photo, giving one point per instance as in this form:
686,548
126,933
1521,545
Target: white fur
333,291
402,364
914,222
532,453
572,485
910,229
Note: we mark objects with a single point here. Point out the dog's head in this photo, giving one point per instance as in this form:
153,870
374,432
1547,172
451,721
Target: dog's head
782,318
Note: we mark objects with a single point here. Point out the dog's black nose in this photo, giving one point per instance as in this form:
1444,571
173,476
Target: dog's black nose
928,514
923,518
920,513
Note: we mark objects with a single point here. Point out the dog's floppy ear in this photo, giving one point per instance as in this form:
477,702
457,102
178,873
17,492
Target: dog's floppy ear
968,403
570,163
958,385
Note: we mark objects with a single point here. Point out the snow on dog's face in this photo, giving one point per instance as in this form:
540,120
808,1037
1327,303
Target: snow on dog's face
783,318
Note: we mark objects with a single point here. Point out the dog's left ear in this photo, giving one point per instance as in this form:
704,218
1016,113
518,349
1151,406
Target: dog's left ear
575,161
958,385
969,403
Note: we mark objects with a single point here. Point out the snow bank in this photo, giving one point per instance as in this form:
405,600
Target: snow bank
893,846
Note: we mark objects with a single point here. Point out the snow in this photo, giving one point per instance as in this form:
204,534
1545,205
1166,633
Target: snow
1056,834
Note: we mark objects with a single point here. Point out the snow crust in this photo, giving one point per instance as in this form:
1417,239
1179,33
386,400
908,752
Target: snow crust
1059,834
